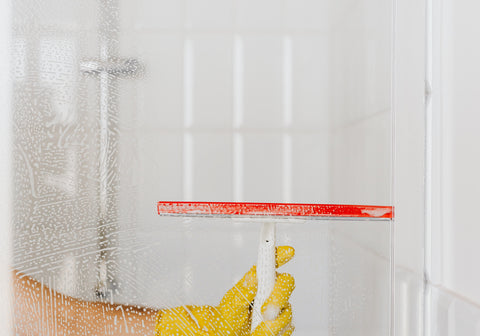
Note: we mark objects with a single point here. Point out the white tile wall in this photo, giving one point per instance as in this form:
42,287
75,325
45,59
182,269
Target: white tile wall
347,54
126,96
373,17
156,15
160,171
340,11
262,85
67,15
377,79
308,15
460,156
361,58
409,302
254,15
409,192
310,172
310,83
212,82
296,81
212,167
262,167
211,14
368,144
453,315
160,98
455,296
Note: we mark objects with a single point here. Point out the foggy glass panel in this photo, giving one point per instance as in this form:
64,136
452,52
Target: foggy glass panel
120,104
342,270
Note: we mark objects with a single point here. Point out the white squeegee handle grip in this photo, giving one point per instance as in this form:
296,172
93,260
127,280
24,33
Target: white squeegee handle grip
266,275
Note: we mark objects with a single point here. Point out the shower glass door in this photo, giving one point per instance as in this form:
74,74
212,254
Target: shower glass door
117,105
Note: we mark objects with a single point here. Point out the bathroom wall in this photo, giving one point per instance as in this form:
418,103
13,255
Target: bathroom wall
453,271
366,134
409,170
240,94
460,157
362,105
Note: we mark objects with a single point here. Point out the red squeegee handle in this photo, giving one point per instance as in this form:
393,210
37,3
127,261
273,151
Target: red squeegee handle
274,209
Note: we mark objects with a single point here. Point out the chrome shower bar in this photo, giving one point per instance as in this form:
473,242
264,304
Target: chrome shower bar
108,67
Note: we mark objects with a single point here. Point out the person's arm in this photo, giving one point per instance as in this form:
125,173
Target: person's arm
39,310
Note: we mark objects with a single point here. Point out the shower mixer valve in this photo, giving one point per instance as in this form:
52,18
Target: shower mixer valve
120,67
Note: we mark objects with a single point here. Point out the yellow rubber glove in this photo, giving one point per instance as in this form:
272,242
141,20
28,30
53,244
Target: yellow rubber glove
232,316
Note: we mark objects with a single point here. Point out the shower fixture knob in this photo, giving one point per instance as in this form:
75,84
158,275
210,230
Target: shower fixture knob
120,67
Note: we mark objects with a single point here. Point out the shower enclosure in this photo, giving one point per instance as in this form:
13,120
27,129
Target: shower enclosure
118,105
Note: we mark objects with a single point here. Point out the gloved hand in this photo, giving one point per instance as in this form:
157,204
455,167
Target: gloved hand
232,316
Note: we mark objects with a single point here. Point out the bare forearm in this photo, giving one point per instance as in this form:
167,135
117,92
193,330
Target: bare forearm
117,319
40,310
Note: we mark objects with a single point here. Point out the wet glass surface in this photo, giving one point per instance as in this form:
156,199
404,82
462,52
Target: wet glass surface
117,105
341,269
